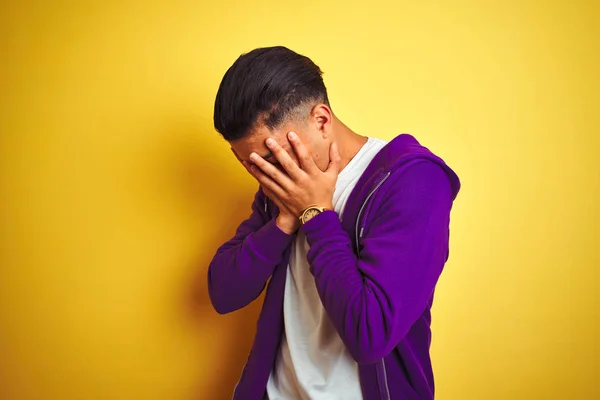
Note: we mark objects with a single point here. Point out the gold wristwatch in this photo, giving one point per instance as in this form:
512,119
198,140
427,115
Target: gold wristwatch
310,213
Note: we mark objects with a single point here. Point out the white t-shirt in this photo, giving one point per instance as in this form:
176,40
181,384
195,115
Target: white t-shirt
313,363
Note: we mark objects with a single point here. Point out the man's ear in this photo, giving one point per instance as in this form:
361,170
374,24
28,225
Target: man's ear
322,116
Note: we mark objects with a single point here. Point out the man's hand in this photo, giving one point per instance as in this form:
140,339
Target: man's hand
286,221
299,187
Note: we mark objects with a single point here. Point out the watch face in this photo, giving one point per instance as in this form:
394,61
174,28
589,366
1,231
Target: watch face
310,213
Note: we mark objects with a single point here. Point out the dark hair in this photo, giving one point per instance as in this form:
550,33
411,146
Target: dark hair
267,85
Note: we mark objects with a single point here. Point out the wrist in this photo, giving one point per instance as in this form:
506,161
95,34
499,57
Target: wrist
288,225
326,206
312,211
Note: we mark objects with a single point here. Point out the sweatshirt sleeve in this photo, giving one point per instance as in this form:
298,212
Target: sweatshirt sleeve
241,267
374,300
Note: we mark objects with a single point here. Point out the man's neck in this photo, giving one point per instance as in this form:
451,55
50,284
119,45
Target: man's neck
349,143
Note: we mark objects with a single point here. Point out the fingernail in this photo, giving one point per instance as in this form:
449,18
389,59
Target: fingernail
253,168
270,142
292,135
253,156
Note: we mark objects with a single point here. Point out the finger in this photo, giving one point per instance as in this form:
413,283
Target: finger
268,192
306,160
266,182
284,159
272,171
334,159
280,204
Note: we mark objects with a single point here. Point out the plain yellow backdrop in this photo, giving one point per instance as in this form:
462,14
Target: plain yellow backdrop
116,190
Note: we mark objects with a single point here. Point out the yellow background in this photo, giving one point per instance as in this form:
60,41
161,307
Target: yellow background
115,189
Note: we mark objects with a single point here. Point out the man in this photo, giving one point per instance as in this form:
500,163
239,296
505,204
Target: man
348,233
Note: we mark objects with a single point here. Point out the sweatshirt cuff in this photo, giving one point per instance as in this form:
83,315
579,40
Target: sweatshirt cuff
321,226
270,242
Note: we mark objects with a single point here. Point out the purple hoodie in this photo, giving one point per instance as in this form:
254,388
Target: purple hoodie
375,272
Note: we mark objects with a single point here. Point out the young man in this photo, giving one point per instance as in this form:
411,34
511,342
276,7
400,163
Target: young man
348,233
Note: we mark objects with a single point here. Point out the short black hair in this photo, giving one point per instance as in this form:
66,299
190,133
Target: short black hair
267,85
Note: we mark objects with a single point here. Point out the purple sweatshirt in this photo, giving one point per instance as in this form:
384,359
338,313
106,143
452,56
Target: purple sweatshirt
375,272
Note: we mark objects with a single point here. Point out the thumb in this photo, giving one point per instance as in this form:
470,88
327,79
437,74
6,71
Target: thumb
334,158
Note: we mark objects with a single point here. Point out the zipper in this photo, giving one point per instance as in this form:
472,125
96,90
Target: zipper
385,380
357,234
